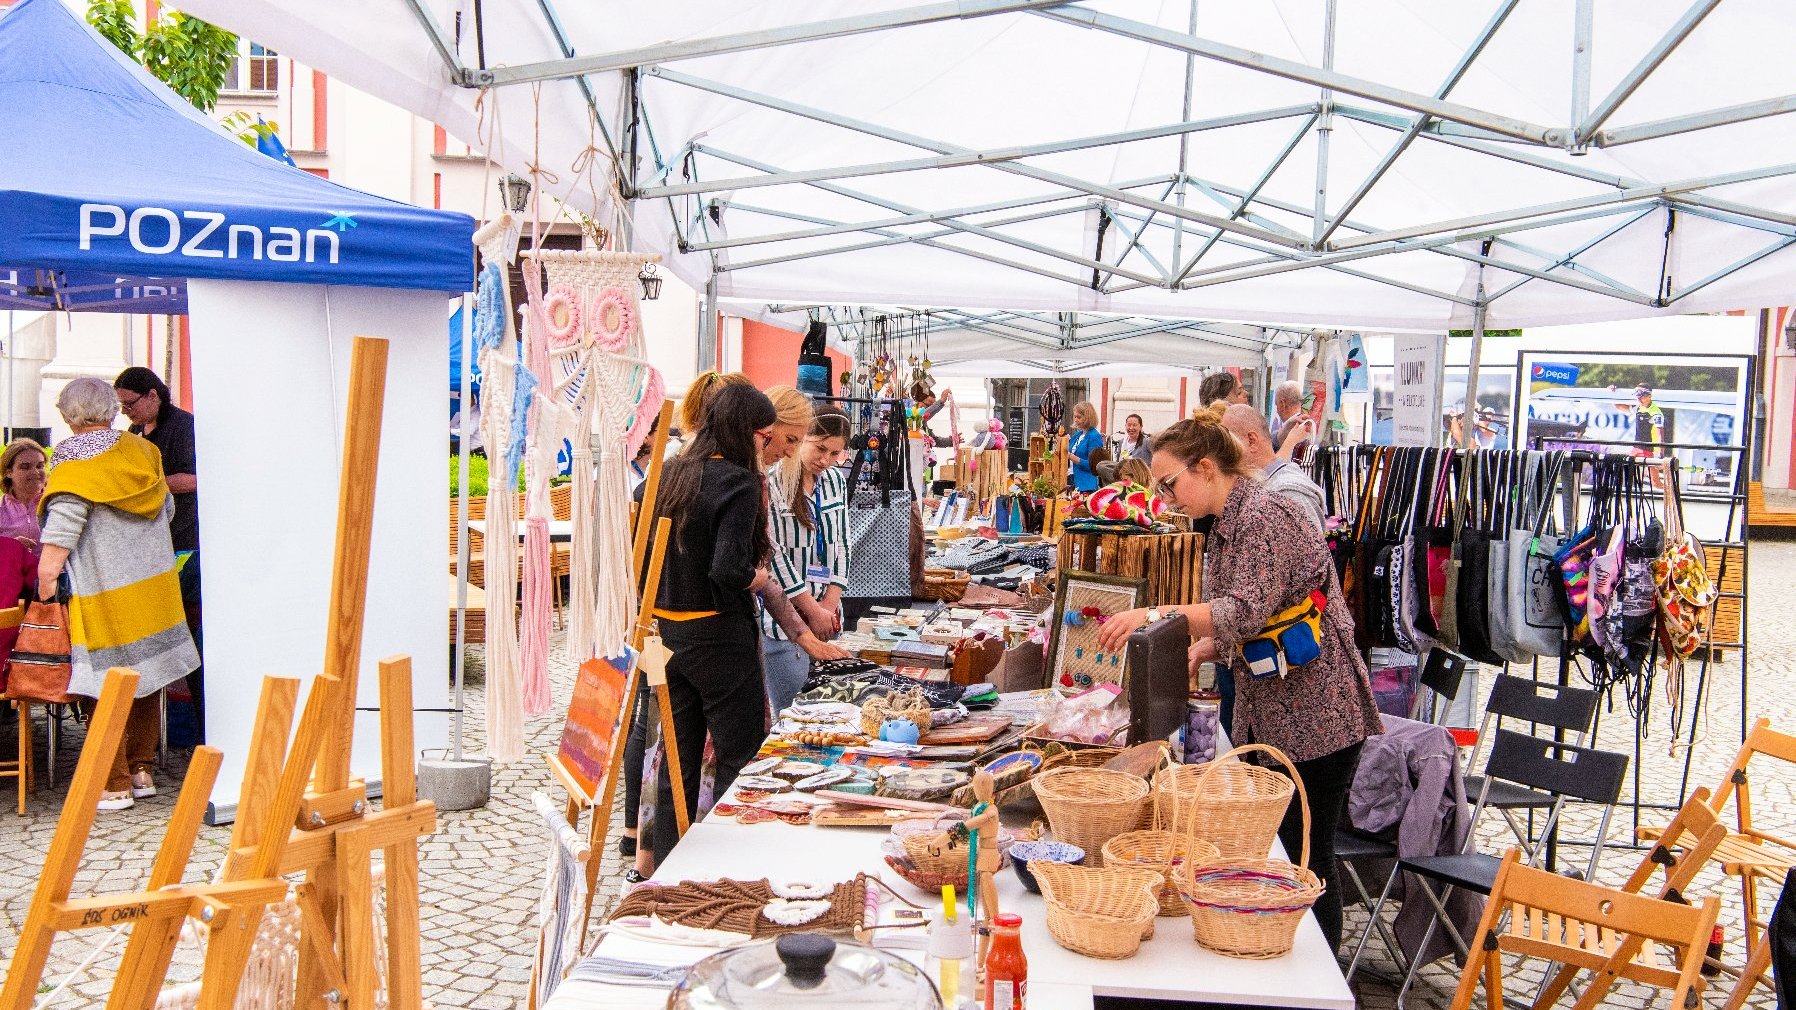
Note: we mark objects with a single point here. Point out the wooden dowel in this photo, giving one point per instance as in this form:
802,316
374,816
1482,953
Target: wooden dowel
399,787
349,562
651,488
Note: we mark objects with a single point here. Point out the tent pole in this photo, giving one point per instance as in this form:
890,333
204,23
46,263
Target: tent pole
1325,127
707,325
461,517
1469,420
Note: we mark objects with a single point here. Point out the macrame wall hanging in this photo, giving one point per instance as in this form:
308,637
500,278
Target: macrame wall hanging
507,389
600,381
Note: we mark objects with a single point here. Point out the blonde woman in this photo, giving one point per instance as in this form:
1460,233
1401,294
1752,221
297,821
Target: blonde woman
1085,440
808,517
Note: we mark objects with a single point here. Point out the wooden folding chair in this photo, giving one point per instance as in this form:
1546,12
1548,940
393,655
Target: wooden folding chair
20,768
1749,853
1703,831
1540,914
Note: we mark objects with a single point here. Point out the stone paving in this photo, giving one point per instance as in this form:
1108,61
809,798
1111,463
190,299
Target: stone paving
482,869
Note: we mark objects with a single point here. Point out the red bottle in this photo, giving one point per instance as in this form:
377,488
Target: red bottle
1006,969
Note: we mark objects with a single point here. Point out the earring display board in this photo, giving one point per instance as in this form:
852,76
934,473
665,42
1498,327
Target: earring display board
1084,602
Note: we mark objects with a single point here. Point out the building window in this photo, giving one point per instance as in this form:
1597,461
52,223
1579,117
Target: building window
254,70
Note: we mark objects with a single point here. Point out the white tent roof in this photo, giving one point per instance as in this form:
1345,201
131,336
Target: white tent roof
1121,157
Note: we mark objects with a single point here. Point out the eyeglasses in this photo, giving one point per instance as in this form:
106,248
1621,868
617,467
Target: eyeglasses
1165,486
132,402
766,438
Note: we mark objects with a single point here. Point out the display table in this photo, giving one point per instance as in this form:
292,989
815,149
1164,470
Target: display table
1171,966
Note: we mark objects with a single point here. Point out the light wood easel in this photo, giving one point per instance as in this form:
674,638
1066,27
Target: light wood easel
154,915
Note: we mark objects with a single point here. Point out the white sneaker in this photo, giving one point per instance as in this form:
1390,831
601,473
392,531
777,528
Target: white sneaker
116,801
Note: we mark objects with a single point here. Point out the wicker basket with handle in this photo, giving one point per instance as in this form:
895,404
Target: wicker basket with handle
1233,805
1160,850
944,584
1098,912
1089,806
1251,908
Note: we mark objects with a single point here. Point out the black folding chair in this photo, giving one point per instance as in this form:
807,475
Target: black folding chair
1353,847
1442,673
1559,771
1568,709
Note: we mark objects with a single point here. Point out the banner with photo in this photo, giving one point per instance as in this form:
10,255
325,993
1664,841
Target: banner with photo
1691,405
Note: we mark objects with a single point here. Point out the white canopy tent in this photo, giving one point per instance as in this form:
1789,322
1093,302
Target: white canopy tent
988,343
1366,163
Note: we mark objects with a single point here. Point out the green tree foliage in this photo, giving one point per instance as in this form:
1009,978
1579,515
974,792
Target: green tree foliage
189,55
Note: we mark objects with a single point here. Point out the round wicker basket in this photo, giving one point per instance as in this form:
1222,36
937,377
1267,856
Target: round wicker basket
1233,805
1089,806
1251,908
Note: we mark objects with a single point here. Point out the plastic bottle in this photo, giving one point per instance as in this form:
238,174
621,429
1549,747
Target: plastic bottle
1006,969
952,961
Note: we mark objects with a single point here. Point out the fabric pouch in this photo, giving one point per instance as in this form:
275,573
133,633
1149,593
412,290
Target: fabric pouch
1292,638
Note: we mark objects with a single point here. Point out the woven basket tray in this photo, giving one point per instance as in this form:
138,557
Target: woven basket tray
944,584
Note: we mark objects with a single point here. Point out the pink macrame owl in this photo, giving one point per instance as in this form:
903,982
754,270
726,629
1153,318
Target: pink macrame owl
992,437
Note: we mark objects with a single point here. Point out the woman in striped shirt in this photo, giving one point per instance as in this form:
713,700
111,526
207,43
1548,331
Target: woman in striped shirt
808,517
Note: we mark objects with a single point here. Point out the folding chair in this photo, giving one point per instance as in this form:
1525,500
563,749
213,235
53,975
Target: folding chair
1442,674
1354,847
1569,709
1749,853
1535,913
1561,771
1702,830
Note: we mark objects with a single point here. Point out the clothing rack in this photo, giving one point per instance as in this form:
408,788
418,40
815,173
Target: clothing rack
1735,538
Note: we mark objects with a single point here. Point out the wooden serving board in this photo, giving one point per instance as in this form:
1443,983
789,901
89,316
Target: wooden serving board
971,730
858,817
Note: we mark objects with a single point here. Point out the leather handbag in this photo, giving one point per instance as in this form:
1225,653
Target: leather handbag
39,669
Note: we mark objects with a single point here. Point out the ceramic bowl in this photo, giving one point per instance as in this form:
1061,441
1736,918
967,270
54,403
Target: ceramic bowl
1048,852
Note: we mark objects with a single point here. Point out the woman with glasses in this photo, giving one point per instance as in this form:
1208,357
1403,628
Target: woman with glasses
1265,557
717,498
808,515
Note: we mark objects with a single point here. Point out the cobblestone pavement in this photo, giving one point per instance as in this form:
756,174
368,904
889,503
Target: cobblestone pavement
481,870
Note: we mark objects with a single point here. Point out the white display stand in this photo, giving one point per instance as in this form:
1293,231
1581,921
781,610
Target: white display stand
270,373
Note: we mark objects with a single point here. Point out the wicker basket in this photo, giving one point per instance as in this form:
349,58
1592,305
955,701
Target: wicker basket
1089,806
1251,908
1098,912
1233,805
944,584
1161,852
909,703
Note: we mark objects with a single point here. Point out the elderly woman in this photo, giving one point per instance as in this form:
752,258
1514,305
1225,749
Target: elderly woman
22,468
106,513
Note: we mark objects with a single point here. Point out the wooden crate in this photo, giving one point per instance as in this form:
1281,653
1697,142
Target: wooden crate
1757,514
1726,633
984,480
1172,563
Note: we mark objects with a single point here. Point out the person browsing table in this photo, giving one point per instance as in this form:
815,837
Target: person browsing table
1265,556
808,513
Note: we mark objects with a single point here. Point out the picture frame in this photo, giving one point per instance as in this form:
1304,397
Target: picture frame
1112,594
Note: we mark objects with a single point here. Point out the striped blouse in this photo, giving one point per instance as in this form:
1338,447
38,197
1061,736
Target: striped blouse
796,549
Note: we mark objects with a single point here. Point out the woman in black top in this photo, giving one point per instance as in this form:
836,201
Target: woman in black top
716,495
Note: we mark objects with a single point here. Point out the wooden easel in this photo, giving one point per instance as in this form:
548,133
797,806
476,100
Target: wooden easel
155,914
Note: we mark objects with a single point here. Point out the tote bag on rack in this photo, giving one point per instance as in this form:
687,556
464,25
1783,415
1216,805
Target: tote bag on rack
1535,619
1437,536
1473,617
1498,585
879,522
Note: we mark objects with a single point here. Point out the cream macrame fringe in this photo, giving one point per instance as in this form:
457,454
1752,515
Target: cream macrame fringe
504,663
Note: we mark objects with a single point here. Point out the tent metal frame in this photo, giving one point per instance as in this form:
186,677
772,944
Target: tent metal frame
1274,236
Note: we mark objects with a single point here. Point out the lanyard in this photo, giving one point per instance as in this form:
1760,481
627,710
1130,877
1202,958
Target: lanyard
819,567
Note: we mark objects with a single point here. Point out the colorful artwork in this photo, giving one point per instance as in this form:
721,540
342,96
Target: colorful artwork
594,716
1076,660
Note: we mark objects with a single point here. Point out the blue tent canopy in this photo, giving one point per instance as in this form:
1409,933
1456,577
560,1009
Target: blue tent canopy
113,190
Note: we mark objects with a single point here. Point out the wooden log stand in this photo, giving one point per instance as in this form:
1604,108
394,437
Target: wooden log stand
1172,563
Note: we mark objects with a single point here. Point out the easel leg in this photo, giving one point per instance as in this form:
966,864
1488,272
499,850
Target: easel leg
670,754
405,986
227,952
355,916
104,732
